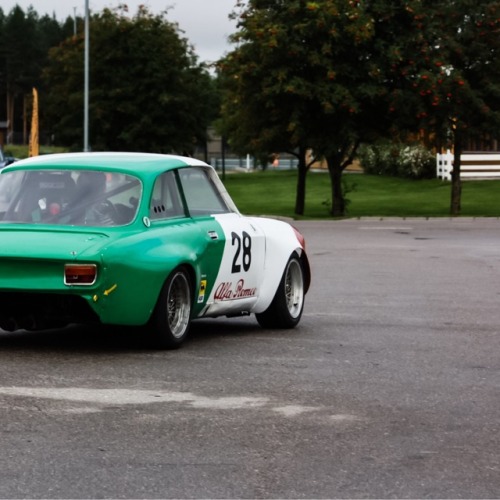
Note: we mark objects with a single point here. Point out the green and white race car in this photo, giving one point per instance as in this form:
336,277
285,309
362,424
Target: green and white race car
139,239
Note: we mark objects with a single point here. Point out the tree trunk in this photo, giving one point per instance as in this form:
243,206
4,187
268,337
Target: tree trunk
300,197
456,183
335,168
10,117
25,119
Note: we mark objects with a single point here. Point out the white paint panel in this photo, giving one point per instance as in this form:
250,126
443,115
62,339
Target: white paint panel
281,242
238,283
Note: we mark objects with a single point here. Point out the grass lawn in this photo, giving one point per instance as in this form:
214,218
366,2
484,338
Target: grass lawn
21,152
273,193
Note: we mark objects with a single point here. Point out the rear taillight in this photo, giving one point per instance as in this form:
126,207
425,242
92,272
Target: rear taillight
80,274
300,237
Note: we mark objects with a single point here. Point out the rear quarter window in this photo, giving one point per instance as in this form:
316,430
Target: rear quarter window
201,193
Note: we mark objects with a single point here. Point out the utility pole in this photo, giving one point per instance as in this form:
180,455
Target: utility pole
86,83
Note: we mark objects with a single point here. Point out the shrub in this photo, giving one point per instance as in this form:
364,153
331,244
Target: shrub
398,160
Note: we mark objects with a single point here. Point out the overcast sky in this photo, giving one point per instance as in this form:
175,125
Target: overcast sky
205,22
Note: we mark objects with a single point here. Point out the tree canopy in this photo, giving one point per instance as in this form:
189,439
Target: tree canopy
147,91
25,39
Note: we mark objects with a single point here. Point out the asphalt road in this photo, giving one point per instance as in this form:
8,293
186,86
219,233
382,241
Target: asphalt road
389,387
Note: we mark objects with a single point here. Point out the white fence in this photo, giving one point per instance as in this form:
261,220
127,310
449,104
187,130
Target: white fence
472,166
249,163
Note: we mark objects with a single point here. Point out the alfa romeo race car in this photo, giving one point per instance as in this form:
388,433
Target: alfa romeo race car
139,239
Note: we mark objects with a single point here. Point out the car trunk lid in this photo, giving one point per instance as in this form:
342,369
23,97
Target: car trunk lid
34,259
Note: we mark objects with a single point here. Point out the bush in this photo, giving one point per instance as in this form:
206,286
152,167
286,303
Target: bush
398,160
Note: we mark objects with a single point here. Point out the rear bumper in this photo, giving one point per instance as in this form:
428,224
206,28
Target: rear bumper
39,311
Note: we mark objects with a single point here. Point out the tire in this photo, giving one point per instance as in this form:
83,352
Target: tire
286,308
172,316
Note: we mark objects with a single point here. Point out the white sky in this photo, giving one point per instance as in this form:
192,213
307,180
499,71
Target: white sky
205,23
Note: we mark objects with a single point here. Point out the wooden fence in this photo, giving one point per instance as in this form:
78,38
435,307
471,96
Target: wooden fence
472,166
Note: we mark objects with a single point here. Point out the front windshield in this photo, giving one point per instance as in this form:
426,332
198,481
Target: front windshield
69,197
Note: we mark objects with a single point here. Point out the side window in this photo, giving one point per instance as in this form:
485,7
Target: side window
166,201
201,193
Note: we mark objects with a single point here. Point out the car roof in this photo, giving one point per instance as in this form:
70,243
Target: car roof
133,163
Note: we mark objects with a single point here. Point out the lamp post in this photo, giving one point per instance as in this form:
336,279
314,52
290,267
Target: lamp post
86,83
223,152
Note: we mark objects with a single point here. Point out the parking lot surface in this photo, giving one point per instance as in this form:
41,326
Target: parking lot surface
389,387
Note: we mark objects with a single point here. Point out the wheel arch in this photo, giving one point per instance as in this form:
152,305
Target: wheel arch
169,323
287,306
282,242
192,278
140,279
307,270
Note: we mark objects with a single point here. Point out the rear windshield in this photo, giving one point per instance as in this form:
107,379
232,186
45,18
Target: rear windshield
69,197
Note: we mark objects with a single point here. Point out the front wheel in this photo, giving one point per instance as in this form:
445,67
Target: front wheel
172,315
286,308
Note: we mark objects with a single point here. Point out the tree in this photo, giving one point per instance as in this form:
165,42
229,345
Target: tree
22,51
147,91
304,75
24,43
463,83
254,114
445,77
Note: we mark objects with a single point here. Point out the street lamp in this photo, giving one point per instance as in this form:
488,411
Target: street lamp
86,83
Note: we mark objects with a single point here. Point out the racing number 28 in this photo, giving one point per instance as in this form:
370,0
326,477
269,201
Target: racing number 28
243,255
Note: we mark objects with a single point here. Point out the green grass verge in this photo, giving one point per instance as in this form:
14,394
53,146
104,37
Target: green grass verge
273,193
23,151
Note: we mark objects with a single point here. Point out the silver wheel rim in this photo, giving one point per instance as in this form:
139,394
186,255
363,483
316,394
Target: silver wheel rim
178,305
294,288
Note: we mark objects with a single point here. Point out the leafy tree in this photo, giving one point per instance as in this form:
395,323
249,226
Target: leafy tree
257,115
22,56
3,63
443,68
304,75
52,33
147,91
266,104
462,85
24,43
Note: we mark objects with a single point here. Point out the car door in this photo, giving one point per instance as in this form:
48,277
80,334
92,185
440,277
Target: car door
238,281
235,287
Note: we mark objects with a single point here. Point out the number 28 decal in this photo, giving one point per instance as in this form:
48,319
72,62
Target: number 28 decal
243,254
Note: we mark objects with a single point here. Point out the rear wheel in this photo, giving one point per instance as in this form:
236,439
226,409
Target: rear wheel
286,308
172,315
